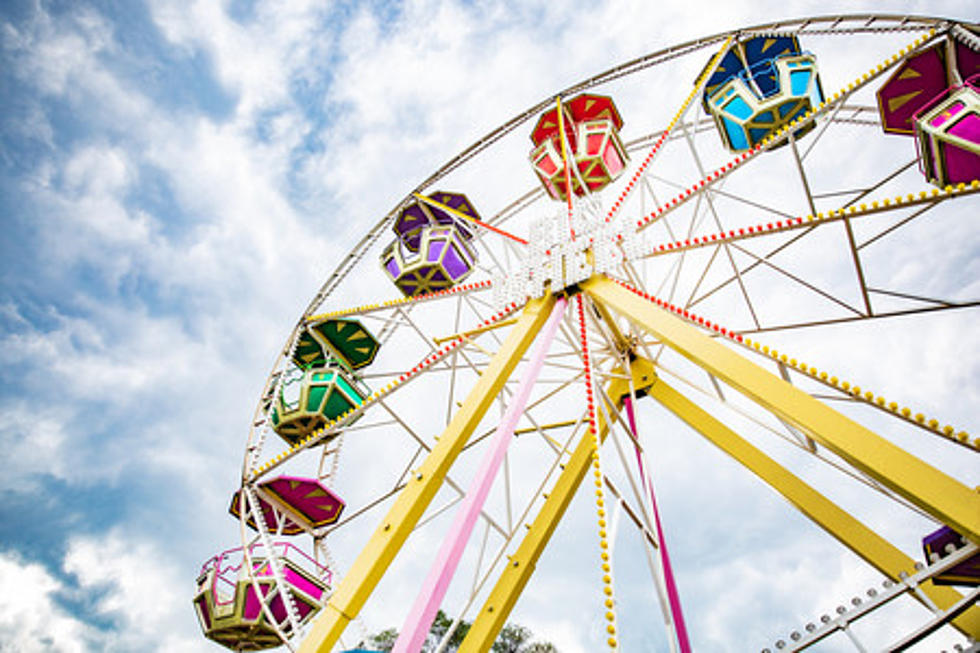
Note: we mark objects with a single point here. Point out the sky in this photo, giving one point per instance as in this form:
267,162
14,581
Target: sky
176,181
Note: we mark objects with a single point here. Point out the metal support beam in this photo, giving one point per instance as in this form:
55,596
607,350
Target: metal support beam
866,543
409,506
493,615
936,493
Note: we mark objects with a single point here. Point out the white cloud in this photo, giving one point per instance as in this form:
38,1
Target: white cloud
255,61
37,440
133,585
139,587
31,619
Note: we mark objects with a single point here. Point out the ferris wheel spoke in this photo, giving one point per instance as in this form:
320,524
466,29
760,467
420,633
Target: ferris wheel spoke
844,320
635,515
718,190
832,118
801,437
714,214
917,298
689,302
798,160
643,513
898,225
802,282
752,266
806,226
851,393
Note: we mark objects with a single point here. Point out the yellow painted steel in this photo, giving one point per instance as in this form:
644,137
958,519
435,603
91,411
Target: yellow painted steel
852,533
493,615
474,332
373,561
546,427
938,494
621,342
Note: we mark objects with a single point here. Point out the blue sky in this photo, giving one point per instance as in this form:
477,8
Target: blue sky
176,179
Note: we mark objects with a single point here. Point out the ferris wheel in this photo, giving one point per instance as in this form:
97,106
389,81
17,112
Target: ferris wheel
540,319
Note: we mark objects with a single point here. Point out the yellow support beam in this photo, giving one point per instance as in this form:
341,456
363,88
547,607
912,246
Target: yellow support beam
371,564
849,531
938,494
493,615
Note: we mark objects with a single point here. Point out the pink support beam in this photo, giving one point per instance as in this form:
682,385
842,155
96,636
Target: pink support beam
434,588
672,595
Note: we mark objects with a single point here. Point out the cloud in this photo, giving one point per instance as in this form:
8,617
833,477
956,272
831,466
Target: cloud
31,617
134,585
257,60
116,594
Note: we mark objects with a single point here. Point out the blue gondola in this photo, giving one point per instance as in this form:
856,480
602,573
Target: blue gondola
762,84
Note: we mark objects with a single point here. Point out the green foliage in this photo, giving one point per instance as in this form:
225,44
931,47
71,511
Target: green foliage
440,626
512,639
539,647
383,641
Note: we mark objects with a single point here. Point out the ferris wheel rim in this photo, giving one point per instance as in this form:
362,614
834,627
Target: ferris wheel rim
375,232
923,22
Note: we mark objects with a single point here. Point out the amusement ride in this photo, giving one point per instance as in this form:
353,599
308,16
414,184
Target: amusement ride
522,350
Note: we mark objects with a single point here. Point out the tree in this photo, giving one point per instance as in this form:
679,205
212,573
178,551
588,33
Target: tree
540,647
440,626
512,639
383,641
